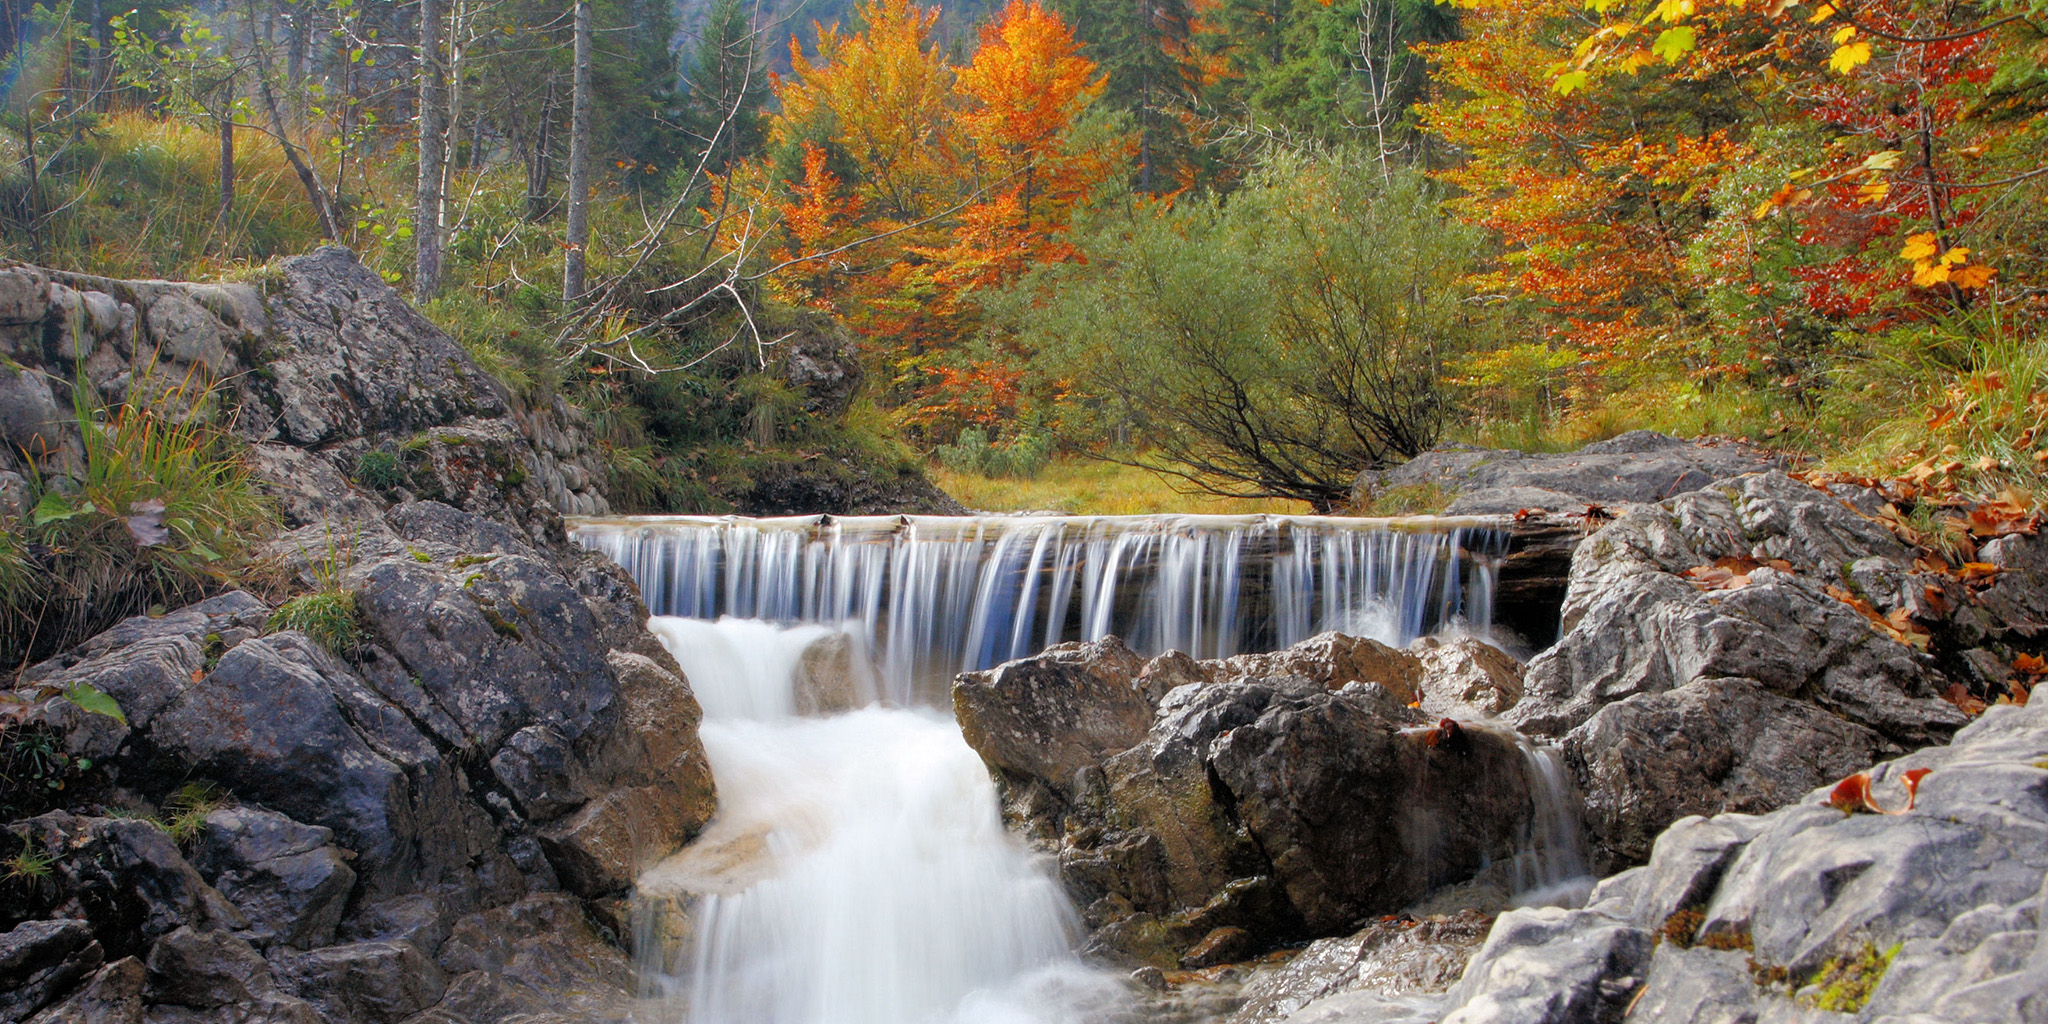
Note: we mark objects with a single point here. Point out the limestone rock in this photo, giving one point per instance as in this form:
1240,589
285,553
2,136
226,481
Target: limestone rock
538,955
1463,677
1639,466
1333,661
124,877
1287,794
349,358
1403,960
1051,715
364,982
112,996
288,879
40,961
1958,884
1672,699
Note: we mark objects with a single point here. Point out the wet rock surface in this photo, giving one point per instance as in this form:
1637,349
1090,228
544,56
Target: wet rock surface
428,821
1254,799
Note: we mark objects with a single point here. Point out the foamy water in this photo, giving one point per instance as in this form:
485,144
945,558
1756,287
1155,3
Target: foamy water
858,871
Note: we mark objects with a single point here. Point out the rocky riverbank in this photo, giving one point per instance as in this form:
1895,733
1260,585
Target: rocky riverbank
1727,657
440,821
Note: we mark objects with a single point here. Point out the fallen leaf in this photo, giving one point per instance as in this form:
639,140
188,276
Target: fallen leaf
1965,701
146,523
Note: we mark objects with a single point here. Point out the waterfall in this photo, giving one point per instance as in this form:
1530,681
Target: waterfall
931,596
858,871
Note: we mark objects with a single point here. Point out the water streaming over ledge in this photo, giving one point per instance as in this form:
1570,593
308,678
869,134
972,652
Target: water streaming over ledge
858,871
931,596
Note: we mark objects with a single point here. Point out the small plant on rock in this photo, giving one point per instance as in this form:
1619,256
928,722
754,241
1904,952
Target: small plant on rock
329,617
1847,982
186,809
27,868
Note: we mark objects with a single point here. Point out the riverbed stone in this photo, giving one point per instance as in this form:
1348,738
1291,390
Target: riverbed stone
113,995
40,960
1051,715
1674,698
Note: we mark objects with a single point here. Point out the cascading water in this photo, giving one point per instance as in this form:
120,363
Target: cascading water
858,871
932,596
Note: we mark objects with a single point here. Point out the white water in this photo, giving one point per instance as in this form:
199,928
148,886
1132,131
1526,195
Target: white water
858,871
932,596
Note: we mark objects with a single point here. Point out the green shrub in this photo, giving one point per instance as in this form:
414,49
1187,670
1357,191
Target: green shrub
328,617
1021,457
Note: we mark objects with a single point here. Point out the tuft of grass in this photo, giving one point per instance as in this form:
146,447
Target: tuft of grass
328,617
1092,487
1847,982
162,512
1410,500
28,867
185,811
379,469
1971,391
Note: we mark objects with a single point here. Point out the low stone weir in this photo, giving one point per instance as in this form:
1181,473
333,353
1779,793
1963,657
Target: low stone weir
932,596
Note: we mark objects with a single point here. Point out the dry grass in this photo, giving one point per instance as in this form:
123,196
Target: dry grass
1088,487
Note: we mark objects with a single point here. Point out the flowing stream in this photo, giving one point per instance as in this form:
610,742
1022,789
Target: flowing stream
858,871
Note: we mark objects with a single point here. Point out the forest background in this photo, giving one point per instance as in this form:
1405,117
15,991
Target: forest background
1256,246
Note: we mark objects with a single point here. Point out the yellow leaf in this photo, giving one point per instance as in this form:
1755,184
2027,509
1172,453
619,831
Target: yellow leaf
1927,275
1850,57
1920,247
1673,44
1822,13
1956,255
1570,82
1884,160
1872,192
1844,34
1972,277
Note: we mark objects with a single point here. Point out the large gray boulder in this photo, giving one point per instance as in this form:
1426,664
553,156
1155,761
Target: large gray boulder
1939,909
41,960
1254,799
1636,467
288,879
1675,691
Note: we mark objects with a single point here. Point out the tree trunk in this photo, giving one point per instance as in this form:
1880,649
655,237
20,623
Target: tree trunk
537,159
579,161
307,178
433,147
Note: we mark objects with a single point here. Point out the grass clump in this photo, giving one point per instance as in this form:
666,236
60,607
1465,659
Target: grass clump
185,810
162,511
1407,500
28,868
1023,456
329,617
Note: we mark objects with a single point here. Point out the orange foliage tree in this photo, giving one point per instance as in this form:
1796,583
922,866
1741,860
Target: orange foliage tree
901,185
1731,185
